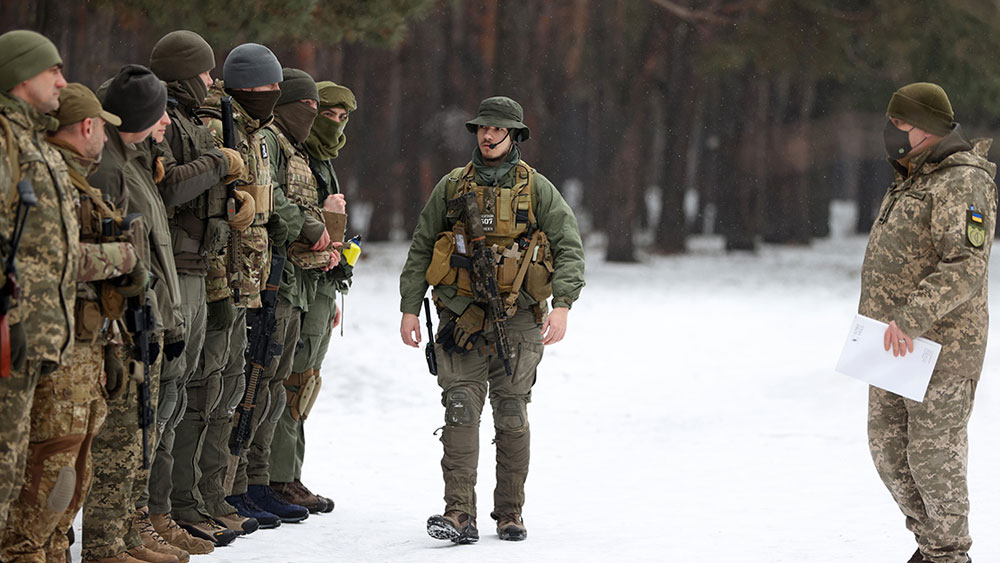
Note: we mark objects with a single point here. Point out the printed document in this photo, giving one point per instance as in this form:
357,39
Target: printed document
865,358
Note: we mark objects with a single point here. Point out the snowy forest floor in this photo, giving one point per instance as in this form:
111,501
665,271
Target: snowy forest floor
691,414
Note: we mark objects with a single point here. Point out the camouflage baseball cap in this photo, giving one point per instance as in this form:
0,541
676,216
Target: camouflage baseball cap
500,111
77,102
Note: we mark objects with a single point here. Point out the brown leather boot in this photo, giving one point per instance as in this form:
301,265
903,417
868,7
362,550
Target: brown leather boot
329,502
510,527
143,553
155,541
454,525
291,494
122,557
239,524
174,535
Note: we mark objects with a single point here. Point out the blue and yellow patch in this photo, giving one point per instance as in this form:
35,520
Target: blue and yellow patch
975,228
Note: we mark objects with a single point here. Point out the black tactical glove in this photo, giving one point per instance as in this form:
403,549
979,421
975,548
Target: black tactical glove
18,348
114,367
154,352
172,350
134,283
220,315
277,230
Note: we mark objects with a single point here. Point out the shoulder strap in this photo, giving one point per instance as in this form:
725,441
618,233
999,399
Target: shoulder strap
525,179
94,194
459,178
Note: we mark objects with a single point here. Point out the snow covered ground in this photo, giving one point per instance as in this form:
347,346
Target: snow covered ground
692,414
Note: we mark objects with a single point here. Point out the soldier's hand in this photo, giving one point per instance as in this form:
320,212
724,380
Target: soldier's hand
896,339
335,203
336,317
334,260
234,165
322,243
409,329
554,328
135,281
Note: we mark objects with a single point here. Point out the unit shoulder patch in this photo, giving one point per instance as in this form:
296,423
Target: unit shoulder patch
975,229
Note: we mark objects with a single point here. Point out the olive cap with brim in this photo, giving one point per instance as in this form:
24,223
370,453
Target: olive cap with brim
77,102
332,95
24,55
500,111
924,105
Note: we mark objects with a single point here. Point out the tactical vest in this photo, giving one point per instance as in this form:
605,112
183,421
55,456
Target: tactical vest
198,227
520,248
97,303
301,189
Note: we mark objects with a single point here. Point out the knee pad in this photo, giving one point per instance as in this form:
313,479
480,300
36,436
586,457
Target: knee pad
510,413
234,394
62,491
461,407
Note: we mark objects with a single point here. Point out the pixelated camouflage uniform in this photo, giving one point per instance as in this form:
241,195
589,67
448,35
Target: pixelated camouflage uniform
295,198
467,379
69,405
47,262
243,266
125,177
926,268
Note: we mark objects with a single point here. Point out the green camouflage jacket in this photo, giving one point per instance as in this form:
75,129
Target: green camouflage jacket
928,253
554,217
49,254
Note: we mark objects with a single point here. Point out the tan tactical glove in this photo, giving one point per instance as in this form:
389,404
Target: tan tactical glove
114,369
245,212
235,165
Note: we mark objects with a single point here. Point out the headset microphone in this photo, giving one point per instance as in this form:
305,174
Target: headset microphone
496,144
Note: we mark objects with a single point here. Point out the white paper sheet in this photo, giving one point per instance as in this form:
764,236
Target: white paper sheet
865,358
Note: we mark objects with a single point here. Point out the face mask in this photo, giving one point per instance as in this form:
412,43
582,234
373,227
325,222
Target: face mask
897,142
258,105
295,118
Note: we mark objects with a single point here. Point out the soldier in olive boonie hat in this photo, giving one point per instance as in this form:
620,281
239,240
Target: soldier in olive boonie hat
77,102
501,111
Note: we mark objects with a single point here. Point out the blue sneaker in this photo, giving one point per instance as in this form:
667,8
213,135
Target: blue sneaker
246,508
263,496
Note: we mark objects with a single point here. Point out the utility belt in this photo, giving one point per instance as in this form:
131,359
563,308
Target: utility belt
471,330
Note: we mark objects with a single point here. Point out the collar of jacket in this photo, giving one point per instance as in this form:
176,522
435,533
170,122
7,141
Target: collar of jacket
25,114
81,164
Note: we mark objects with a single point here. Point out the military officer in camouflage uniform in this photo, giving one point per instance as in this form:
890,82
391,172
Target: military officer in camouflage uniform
41,321
251,74
925,273
69,407
326,139
538,253
194,191
125,176
309,248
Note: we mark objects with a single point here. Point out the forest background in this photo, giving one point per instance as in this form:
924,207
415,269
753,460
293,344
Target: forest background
658,119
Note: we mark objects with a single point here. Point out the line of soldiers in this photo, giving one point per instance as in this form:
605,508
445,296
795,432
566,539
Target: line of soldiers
139,230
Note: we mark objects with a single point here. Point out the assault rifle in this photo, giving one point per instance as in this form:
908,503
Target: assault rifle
11,287
484,273
261,350
140,322
432,362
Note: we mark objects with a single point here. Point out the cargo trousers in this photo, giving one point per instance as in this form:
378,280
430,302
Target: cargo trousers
921,453
465,381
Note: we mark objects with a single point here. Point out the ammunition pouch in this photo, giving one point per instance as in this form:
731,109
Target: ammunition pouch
440,271
89,320
538,279
263,198
112,302
301,255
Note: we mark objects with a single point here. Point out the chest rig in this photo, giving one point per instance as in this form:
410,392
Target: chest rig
521,250
301,187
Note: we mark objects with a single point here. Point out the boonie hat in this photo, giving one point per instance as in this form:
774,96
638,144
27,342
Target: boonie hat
500,111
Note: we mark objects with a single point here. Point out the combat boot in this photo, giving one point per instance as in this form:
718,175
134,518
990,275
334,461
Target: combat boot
263,496
176,536
510,527
143,553
291,494
122,557
237,523
246,507
209,530
328,501
155,541
454,525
